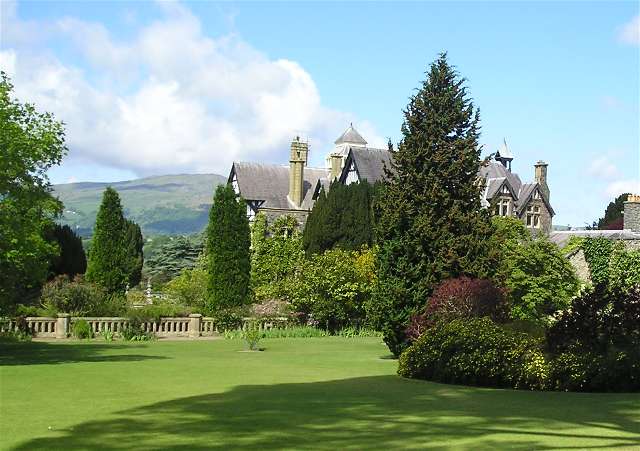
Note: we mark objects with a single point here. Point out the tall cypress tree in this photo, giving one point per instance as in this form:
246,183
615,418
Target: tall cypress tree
342,218
109,264
72,259
430,222
135,243
228,243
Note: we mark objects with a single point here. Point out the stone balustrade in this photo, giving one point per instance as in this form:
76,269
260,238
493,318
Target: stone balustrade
193,326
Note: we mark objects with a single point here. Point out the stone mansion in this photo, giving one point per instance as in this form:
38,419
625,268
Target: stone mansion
292,189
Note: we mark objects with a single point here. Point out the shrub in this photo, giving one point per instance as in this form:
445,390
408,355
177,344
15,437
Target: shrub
81,329
158,310
134,331
252,334
107,335
624,269
597,253
273,308
475,351
463,297
79,298
229,319
613,371
190,287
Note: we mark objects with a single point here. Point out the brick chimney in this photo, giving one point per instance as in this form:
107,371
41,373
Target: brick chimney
632,213
541,177
336,165
297,162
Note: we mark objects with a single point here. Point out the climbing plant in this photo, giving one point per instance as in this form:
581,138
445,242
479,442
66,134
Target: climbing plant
597,253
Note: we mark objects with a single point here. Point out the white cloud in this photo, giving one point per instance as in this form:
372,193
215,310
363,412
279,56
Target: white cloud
603,168
172,99
616,188
629,33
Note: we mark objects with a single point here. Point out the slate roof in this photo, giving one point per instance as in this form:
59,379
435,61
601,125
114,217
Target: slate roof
270,183
561,238
369,163
351,136
504,151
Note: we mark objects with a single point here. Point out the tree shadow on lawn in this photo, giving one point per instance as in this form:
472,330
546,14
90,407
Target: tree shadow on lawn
364,413
42,353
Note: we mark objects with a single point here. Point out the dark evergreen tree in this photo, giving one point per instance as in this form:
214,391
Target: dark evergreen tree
173,257
109,262
71,259
135,243
613,219
227,244
342,218
430,224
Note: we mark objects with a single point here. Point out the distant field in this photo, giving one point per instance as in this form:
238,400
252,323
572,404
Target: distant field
319,393
170,204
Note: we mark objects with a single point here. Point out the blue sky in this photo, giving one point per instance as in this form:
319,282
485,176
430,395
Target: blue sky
157,88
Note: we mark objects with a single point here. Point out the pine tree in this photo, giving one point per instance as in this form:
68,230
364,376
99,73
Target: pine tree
72,259
228,242
430,222
613,219
342,218
109,264
135,243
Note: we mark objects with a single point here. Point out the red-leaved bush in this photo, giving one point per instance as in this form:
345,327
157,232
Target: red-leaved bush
463,297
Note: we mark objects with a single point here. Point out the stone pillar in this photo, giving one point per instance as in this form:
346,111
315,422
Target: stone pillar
62,325
297,162
632,213
194,325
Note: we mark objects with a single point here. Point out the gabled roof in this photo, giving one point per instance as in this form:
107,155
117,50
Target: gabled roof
495,170
525,195
270,182
369,163
351,136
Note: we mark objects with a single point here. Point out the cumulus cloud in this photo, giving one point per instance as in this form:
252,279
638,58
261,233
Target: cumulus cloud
171,98
629,33
618,187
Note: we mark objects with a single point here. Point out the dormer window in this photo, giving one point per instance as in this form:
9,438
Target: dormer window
503,207
533,216
352,175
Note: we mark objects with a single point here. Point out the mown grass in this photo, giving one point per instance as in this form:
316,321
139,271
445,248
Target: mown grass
304,393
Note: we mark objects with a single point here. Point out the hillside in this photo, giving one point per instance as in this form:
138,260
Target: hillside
168,204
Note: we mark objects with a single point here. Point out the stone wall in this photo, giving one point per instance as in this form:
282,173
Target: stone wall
273,214
580,265
632,213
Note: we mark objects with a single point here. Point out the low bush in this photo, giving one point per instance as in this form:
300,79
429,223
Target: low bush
463,297
229,319
134,331
81,329
475,351
157,310
107,335
252,334
79,298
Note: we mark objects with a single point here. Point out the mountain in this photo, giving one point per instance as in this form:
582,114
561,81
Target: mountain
167,204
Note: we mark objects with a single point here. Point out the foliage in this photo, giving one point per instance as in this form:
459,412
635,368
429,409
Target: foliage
107,335
306,332
31,143
79,298
332,288
174,256
613,219
540,280
460,298
340,218
598,320
72,259
273,308
252,334
190,287
228,251
109,262
81,329
134,331
476,351
430,224
597,253
134,243
229,318
624,268
574,243
276,252
14,336
158,310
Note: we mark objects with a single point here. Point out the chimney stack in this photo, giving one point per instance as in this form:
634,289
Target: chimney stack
336,165
297,162
541,177
632,213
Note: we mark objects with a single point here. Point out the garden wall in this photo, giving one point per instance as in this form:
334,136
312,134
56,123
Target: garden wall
193,326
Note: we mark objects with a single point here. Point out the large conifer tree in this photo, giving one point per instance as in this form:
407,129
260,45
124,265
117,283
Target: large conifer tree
72,259
228,243
430,222
342,218
109,262
135,243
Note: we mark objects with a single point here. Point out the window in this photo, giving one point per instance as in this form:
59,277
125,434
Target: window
502,207
234,183
352,175
533,216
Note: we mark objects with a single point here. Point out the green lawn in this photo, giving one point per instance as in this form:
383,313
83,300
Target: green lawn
320,393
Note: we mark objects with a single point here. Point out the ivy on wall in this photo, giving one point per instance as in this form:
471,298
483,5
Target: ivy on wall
597,253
